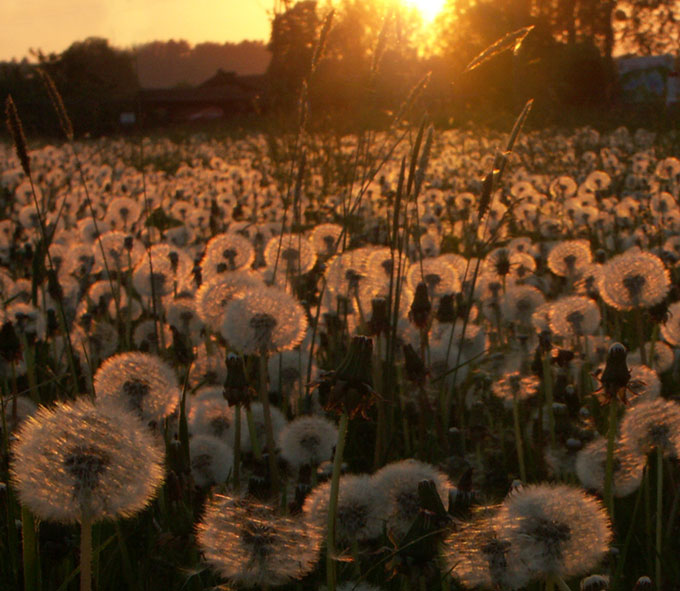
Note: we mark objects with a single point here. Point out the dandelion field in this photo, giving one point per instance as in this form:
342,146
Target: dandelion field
408,359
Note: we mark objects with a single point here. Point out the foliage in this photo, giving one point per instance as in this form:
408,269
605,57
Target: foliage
96,81
163,64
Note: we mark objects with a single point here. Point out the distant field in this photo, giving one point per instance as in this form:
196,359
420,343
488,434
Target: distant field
413,359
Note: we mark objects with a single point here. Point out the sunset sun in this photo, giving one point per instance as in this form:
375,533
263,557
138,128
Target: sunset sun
429,9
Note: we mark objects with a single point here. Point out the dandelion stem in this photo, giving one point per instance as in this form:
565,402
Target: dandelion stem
268,429
562,586
30,556
125,556
629,536
518,439
237,448
659,515
252,432
548,388
86,553
333,502
641,336
609,466
648,517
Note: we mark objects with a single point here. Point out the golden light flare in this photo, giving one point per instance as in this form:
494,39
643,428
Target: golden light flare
429,9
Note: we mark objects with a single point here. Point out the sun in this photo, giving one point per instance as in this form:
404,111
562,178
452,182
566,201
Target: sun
429,9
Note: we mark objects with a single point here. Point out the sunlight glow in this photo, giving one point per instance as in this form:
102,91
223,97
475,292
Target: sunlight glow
429,9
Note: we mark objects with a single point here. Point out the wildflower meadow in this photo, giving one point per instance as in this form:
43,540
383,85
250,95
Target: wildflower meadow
409,358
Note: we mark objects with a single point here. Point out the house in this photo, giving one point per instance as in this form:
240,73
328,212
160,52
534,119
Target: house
652,78
223,95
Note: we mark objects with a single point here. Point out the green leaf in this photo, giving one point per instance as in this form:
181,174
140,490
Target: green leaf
161,221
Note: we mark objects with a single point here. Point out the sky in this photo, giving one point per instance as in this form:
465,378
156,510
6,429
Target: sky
52,25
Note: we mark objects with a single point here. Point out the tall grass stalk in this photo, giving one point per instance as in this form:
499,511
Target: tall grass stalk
67,130
16,130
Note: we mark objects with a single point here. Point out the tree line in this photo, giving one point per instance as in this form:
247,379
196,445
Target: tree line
374,54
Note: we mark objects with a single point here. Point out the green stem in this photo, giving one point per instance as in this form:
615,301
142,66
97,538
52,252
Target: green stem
86,553
659,515
562,586
237,448
548,386
125,558
518,440
333,502
609,466
648,518
28,546
629,536
641,336
252,432
268,429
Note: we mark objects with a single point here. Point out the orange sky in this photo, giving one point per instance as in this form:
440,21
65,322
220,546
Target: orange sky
52,25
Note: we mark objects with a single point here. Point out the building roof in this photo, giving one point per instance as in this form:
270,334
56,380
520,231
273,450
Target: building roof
220,88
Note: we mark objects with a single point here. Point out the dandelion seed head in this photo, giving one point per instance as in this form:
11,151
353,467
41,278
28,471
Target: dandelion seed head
591,464
644,384
513,386
161,270
278,423
557,529
295,253
634,279
594,583
477,557
77,458
212,460
574,316
214,295
324,238
652,425
27,320
212,416
251,546
263,320
670,330
398,482
661,360
520,302
225,253
308,440
138,381
208,367
569,257
360,513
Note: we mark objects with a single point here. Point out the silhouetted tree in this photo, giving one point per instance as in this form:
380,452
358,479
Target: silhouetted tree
162,64
292,41
96,81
